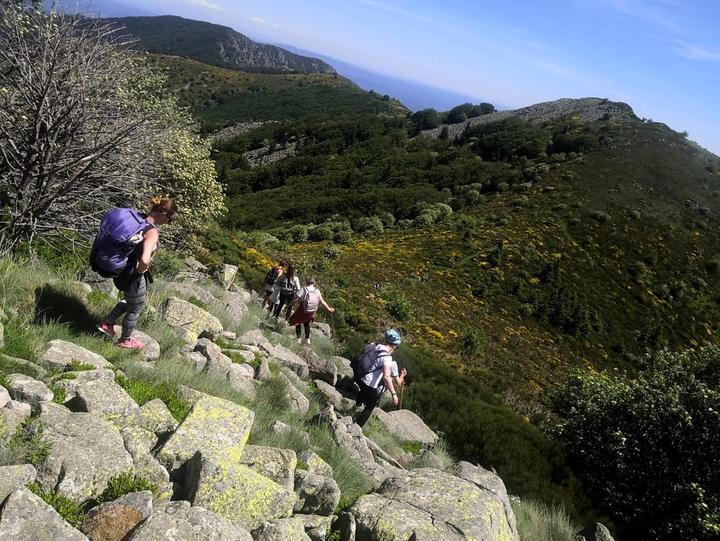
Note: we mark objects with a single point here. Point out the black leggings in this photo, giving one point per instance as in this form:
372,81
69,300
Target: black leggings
370,397
307,330
279,306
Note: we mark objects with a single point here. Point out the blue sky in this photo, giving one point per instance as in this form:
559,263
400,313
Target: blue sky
660,56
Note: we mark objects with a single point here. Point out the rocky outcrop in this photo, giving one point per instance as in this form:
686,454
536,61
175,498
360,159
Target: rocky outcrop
156,418
98,283
26,389
59,354
179,521
85,453
151,351
289,529
25,517
225,275
217,427
298,401
189,321
431,504
218,364
594,532
276,464
12,416
316,527
15,477
139,443
106,399
316,494
407,426
314,464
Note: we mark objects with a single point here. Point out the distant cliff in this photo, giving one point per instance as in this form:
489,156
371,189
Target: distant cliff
214,44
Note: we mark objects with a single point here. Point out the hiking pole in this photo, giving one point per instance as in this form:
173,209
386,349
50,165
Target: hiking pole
402,388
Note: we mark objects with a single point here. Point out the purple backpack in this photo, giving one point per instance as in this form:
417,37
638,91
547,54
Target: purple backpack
121,230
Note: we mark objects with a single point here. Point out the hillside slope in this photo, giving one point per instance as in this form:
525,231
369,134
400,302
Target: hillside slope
214,44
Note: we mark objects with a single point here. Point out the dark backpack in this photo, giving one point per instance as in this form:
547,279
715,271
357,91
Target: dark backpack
270,276
287,288
369,361
121,231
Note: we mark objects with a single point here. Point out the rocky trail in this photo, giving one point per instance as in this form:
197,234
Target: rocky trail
208,483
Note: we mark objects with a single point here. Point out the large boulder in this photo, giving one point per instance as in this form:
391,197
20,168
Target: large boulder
14,477
432,504
283,356
254,337
156,418
151,351
237,377
316,527
26,389
217,427
192,291
195,360
85,453
25,517
12,416
298,401
342,364
112,521
235,307
139,443
314,464
98,283
287,529
407,426
315,494
594,532
319,368
236,492
4,396
263,371
218,364
59,354
108,400
276,464
225,275
189,321
179,521
334,397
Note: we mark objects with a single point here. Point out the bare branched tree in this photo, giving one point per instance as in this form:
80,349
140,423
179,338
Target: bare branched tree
84,126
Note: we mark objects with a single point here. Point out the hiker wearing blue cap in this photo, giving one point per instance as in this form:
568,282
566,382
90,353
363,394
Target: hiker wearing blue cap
374,371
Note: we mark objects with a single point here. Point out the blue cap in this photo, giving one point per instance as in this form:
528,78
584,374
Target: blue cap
392,337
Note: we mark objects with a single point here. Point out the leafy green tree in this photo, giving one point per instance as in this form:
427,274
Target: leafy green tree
647,445
85,125
426,119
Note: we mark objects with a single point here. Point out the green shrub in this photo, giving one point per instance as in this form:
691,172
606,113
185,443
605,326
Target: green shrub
77,366
125,483
144,391
166,264
399,307
369,226
412,447
628,436
320,232
343,237
27,442
59,394
66,508
331,251
600,216
474,342
298,233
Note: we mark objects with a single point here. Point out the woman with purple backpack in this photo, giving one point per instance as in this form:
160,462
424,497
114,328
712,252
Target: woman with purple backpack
123,250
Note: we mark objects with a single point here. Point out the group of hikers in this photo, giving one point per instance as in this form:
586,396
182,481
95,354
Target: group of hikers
123,250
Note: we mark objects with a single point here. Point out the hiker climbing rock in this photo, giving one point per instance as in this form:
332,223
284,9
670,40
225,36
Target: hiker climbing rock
374,371
123,250
272,275
285,289
306,306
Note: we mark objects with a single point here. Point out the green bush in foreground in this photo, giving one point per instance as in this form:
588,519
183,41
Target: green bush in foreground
646,445
125,483
67,509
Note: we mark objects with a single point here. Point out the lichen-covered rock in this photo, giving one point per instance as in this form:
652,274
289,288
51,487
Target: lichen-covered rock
217,427
316,494
244,369
225,275
254,337
179,521
350,437
284,357
218,364
235,492
108,400
25,517
189,321
286,529
431,504
275,464
235,307
407,426
26,389
112,521
195,359
151,351
342,365
156,417
59,354
316,527
14,477
314,464
86,452
12,416
334,397
197,292
139,443
298,401
595,532
319,368
237,377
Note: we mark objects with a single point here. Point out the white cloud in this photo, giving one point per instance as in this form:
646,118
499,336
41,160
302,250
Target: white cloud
207,4
696,52
262,22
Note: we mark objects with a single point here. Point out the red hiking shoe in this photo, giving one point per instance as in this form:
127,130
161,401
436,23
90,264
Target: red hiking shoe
130,343
106,329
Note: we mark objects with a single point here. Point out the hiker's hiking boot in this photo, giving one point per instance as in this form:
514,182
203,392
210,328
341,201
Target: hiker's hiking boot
307,341
106,329
299,340
130,343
